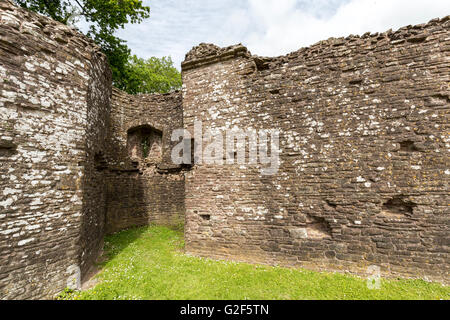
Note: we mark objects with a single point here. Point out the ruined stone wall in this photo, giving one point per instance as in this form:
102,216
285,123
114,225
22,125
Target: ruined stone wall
54,101
143,186
363,176
96,141
364,141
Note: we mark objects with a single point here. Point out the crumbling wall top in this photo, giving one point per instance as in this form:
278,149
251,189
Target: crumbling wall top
207,53
25,22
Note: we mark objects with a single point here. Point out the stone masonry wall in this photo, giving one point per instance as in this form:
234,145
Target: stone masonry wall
364,141
143,188
96,142
54,100
363,175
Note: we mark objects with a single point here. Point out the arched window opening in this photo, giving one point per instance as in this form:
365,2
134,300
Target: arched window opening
144,144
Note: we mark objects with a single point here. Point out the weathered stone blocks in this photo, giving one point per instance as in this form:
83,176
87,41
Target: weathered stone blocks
363,172
364,154
54,101
143,185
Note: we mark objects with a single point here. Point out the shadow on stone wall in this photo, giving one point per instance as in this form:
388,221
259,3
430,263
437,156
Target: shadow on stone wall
143,186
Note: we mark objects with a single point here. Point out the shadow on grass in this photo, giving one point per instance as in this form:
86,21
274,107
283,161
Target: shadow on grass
113,245
141,264
117,242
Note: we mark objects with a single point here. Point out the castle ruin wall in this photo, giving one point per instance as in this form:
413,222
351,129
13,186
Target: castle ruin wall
143,185
55,87
363,178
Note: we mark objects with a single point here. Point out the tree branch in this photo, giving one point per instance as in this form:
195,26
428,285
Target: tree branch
83,9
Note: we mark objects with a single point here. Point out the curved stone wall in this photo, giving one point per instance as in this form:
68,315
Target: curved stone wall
54,102
363,177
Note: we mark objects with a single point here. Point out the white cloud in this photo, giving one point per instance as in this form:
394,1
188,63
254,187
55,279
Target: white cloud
287,28
268,27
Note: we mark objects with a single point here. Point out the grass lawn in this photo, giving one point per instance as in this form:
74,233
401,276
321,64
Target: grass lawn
148,263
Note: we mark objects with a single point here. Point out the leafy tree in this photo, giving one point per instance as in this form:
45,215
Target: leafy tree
58,10
105,18
151,75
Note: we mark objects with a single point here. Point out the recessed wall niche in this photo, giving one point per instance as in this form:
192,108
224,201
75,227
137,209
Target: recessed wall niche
144,144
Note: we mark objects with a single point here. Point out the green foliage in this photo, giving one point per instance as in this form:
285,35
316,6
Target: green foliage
148,263
59,10
108,15
67,294
151,75
145,144
105,17
118,54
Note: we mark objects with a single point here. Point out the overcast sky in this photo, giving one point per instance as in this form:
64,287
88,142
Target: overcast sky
268,27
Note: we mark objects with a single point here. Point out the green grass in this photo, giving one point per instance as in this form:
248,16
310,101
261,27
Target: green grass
148,263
